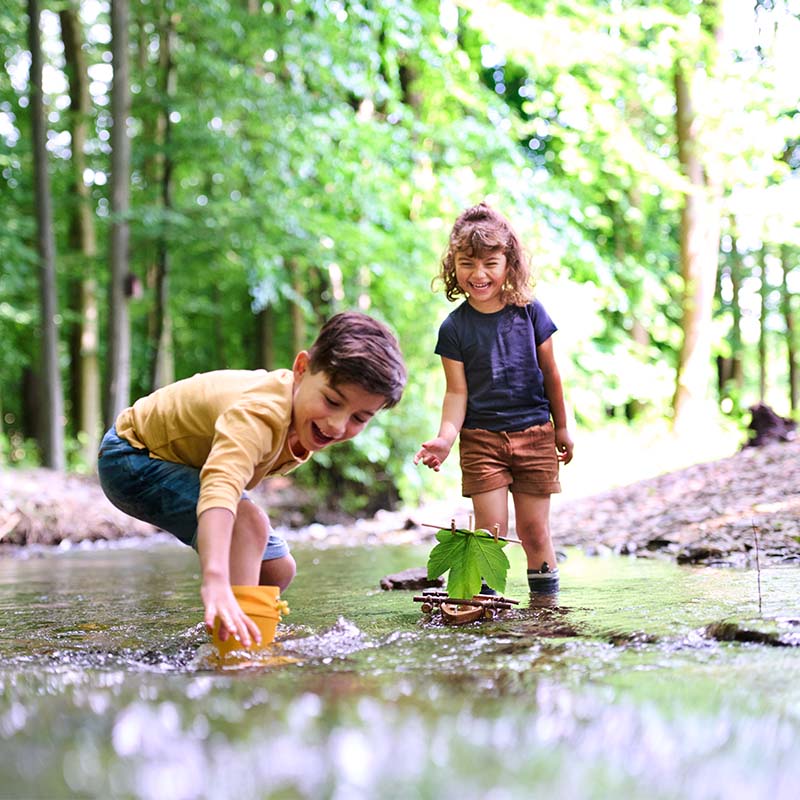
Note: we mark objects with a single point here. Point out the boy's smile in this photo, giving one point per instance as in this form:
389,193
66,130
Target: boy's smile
323,414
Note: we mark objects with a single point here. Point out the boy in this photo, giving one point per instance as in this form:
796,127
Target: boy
181,457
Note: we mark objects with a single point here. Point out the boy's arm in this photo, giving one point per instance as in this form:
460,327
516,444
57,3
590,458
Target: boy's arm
454,409
555,395
214,534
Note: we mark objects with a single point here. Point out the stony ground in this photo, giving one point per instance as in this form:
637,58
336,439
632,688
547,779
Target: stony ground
709,513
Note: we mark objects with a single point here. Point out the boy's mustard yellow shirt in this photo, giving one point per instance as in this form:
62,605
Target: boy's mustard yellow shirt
231,424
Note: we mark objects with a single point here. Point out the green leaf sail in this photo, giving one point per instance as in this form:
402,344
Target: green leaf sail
492,561
443,556
469,556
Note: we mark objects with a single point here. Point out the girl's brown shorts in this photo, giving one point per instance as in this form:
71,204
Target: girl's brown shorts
526,461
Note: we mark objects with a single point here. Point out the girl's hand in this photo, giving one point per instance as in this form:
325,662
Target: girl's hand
433,453
564,445
219,601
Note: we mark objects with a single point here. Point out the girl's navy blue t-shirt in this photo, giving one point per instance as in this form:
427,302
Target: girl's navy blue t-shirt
505,388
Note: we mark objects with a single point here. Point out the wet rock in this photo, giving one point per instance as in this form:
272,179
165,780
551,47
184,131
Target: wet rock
660,543
412,578
598,550
773,631
631,639
697,554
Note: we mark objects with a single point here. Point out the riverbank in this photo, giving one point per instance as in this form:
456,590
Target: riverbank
716,513
707,513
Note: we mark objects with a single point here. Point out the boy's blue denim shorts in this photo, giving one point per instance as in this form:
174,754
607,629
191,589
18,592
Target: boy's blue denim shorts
163,493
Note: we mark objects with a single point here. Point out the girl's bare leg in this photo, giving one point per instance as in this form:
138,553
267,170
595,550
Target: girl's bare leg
491,508
533,528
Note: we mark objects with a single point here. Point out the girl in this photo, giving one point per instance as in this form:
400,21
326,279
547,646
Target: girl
503,388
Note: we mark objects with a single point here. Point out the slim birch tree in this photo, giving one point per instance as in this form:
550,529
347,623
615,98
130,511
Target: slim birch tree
699,250
52,421
162,367
83,241
119,338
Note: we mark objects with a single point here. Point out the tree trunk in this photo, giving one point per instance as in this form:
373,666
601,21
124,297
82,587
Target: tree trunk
736,333
119,338
84,346
730,376
296,310
699,255
220,360
162,370
791,329
52,440
762,331
265,338
628,244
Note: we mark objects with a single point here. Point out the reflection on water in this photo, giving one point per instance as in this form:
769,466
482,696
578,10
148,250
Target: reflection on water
614,691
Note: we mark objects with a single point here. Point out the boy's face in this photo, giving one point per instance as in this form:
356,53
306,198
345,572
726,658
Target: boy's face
323,414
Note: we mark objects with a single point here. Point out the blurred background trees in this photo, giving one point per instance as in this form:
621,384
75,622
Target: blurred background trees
226,175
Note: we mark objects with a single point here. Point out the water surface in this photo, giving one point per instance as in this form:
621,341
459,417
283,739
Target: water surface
613,691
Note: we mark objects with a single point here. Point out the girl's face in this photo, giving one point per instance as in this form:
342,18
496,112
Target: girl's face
482,277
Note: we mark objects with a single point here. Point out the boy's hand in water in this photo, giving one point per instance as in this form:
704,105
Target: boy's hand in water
219,601
433,453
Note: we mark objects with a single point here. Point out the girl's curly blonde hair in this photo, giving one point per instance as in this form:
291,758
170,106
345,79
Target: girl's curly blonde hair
478,231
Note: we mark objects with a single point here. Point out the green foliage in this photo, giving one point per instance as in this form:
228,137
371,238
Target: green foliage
468,557
320,152
17,451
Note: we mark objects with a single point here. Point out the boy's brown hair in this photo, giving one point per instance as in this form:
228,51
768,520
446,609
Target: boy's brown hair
355,348
481,230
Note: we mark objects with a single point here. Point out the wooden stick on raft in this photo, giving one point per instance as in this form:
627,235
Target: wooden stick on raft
440,528
499,603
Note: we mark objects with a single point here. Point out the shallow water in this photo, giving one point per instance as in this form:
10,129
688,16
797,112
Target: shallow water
615,691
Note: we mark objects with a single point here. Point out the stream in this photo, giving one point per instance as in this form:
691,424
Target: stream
615,690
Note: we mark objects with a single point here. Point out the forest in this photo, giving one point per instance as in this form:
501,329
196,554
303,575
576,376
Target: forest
194,186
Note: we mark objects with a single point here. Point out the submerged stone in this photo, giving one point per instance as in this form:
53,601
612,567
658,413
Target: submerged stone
412,578
774,631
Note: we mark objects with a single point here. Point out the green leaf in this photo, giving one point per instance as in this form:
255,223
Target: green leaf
492,561
464,579
443,556
469,556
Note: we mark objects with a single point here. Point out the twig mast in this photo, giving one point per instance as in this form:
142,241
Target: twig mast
758,567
